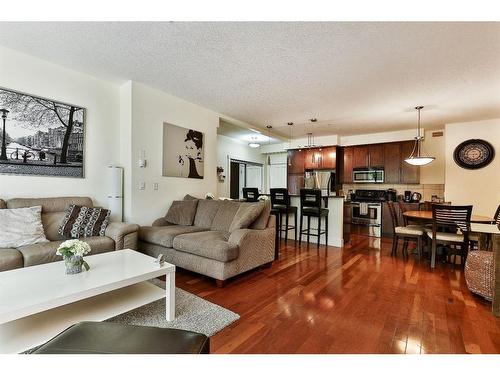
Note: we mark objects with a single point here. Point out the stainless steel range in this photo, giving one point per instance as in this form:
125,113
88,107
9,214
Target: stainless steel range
366,212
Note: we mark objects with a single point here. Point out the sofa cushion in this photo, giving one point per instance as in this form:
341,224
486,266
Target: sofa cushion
205,212
82,221
189,197
263,218
247,213
49,204
51,222
182,212
21,226
225,215
10,259
46,252
212,245
164,236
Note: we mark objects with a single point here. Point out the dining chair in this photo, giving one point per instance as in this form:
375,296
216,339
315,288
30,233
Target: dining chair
251,194
406,233
451,228
427,205
403,208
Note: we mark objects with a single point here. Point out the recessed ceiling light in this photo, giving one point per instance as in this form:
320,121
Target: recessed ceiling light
313,119
254,145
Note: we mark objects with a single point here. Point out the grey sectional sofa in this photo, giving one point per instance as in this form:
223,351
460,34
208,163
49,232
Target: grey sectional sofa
207,246
118,235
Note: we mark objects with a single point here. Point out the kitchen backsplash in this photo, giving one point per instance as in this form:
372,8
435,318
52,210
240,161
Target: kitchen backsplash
427,190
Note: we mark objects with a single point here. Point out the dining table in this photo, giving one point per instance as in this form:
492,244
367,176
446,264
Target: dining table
425,217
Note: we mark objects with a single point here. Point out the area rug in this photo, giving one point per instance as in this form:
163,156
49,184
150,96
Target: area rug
192,313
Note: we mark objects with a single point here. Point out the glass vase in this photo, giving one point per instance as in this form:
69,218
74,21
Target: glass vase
73,264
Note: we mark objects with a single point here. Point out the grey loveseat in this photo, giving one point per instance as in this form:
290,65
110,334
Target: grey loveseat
207,246
117,236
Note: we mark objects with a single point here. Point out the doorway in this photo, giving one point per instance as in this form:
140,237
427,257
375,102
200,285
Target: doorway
244,174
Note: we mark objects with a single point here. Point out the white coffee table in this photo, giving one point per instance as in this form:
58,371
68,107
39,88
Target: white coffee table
38,302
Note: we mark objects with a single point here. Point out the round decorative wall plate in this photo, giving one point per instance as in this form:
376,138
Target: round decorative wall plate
474,154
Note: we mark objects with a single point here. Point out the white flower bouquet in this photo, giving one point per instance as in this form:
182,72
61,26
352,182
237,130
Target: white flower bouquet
72,252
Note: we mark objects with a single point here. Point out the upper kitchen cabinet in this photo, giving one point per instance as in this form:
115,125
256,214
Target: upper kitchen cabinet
376,155
410,174
347,165
368,156
329,157
296,161
312,158
360,157
392,165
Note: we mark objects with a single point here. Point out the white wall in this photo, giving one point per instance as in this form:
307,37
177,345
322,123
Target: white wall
150,108
229,148
479,187
31,75
433,173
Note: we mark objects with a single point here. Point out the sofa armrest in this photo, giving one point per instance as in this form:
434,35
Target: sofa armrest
118,232
160,222
256,247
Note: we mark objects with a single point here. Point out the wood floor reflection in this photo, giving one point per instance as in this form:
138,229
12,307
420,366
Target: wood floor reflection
353,300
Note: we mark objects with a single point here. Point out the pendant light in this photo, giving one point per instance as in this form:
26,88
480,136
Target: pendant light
269,127
417,156
253,143
289,159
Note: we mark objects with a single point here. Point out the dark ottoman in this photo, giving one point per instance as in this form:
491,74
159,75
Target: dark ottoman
115,338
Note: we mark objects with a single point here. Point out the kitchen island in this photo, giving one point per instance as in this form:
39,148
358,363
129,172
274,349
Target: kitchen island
335,205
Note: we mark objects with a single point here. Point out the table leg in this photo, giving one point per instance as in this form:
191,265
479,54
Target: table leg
433,254
170,296
496,291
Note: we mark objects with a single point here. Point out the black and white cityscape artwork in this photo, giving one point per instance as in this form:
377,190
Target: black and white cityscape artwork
183,152
40,136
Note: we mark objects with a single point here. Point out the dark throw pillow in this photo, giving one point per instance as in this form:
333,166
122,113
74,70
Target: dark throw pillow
82,221
182,212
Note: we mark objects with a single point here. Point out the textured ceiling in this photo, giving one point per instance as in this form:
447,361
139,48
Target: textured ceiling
353,77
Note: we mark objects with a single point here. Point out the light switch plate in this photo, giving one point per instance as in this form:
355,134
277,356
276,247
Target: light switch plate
155,186
142,186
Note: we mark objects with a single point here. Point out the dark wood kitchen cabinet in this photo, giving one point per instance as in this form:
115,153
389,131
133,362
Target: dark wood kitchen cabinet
329,157
392,162
376,155
347,165
360,157
295,161
312,159
410,174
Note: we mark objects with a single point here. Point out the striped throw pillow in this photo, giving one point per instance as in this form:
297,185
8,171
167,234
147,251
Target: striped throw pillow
82,221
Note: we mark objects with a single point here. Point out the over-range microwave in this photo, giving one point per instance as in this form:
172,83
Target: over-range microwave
368,175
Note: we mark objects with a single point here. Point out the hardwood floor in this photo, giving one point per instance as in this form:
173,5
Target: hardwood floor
353,300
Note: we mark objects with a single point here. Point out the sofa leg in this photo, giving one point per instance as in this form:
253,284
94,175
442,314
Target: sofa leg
220,283
267,265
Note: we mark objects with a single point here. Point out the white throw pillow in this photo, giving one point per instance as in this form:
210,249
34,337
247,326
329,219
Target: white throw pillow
21,226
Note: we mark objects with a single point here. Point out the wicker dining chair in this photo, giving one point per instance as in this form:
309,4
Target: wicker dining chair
405,233
450,227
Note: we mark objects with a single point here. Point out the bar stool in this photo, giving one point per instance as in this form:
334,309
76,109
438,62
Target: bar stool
310,206
251,194
280,200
